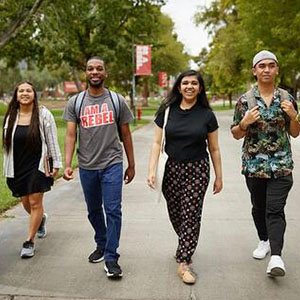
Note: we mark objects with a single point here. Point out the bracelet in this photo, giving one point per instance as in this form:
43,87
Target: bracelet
240,126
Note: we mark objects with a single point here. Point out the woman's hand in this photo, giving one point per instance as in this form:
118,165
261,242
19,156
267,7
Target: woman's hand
154,156
151,180
218,185
54,172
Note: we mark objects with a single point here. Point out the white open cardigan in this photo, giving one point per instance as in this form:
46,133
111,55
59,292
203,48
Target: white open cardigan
50,145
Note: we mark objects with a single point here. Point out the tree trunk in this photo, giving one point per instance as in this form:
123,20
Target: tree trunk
295,89
145,92
77,80
230,99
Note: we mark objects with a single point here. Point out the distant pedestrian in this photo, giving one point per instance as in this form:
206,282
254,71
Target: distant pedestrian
191,128
266,117
30,146
102,118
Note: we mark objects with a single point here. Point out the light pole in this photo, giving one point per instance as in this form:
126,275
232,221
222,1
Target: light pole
132,104
133,84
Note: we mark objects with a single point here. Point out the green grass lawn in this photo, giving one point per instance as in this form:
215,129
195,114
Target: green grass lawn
221,107
148,111
6,199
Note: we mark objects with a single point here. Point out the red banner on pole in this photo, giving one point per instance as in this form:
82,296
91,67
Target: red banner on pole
162,79
143,59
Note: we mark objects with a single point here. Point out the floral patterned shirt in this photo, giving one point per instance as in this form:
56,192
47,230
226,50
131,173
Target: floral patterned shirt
266,150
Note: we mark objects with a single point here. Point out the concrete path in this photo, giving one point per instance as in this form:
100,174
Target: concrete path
223,262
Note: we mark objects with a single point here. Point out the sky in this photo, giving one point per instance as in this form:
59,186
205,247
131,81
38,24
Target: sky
181,12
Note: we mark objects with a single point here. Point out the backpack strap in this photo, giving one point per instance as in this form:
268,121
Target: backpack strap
251,100
163,139
116,104
117,108
78,104
284,95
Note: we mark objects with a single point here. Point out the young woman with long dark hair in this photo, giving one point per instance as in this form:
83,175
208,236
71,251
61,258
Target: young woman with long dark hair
30,145
191,129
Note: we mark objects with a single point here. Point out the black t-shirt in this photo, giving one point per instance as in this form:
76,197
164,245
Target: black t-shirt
26,158
186,131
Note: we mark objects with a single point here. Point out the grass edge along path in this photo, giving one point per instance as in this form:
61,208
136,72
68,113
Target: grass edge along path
7,201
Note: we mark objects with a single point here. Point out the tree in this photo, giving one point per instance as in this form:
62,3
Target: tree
241,28
69,32
168,54
223,62
74,31
9,77
15,16
274,26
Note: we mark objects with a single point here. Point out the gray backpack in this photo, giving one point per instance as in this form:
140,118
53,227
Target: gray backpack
115,102
251,100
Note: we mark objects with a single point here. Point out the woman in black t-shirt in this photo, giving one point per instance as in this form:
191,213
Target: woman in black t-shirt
191,128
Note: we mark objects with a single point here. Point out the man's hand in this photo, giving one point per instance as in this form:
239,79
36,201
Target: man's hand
251,117
129,175
68,173
288,108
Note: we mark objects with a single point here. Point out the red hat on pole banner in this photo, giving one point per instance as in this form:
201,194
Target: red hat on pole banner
143,59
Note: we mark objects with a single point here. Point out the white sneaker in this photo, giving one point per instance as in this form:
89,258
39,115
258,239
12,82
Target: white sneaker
262,250
276,266
27,249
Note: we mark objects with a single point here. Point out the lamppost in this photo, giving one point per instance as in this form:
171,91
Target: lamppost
132,104
133,92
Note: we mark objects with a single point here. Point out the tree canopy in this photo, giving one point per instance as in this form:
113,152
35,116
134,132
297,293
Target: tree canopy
241,28
69,32
15,16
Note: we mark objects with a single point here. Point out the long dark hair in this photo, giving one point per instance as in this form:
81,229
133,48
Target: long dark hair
33,138
175,96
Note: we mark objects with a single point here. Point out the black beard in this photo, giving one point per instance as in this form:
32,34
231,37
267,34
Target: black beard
97,85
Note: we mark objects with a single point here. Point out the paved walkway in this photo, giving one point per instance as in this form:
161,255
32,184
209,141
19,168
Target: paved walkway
223,262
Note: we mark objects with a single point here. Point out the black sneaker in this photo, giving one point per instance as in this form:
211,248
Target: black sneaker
112,269
96,256
42,231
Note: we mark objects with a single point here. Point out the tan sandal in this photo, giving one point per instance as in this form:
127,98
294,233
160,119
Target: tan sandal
185,273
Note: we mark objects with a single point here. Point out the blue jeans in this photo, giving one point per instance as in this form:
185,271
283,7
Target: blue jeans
104,188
